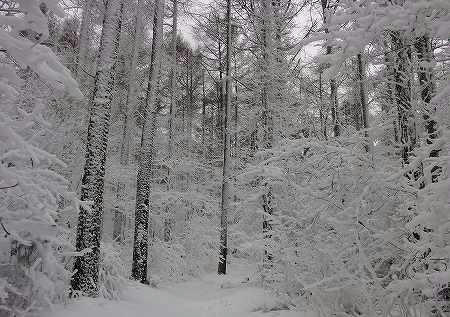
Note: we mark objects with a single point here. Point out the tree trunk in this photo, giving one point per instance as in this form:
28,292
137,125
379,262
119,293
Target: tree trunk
90,221
236,112
220,94
323,116
402,93
173,76
425,75
267,122
120,191
85,29
140,247
363,99
333,86
128,125
203,113
119,216
226,172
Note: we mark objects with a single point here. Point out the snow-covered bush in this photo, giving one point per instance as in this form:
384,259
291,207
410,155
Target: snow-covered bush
31,274
189,254
350,235
112,273
184,223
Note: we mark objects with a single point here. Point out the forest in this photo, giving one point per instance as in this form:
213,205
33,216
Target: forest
252,158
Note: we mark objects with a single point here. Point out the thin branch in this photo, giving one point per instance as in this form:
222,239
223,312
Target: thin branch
3,226
8,187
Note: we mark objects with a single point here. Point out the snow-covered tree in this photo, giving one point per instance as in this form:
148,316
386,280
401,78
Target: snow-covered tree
89,228
146,152
31,273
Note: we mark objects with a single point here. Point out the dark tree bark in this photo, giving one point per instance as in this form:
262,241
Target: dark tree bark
363,98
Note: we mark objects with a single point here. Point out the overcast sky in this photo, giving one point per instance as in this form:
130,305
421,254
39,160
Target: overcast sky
302,21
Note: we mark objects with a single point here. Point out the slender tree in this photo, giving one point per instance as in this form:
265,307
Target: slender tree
267,121
128,120
168,221
226,169
363,98
427,91
173,76
402,93
140,246
333,86
85,30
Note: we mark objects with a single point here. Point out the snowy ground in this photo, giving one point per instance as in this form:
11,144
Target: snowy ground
210,296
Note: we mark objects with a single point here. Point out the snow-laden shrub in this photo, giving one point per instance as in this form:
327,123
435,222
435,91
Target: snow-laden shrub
167,262
113,272
33,279
351,236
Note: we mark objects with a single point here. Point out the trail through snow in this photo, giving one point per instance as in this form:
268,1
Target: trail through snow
210,296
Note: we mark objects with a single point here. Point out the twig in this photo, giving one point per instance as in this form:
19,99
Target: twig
3,226
8,187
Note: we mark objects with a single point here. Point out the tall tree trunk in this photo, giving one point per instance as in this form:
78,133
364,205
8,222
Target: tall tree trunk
333,85
236,112
80,74
128,123
203,113
85,29
169,219
267,122
140,247
120,190
220,93
173,76
425,75
389,100
402,93
226,172
323,116
363,99
89,228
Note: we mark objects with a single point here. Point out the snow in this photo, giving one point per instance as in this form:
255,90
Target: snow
208,296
